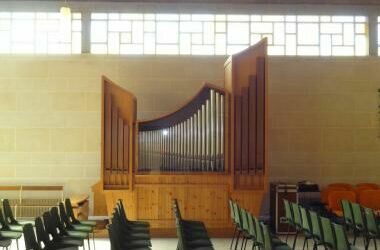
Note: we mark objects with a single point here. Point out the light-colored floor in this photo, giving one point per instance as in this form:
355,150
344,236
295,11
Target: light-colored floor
171,244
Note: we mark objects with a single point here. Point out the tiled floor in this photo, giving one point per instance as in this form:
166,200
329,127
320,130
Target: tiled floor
170,244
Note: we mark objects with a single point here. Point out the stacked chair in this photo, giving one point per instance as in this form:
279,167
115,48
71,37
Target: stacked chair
362,221
192,235
126,234
249,228
9,231
321,230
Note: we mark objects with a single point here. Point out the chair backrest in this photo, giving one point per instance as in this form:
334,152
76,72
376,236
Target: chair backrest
347,212
42,236
326,191
296,214
244,220
343,185
238,221
328,233
50,227
70,211
370,185
268,244
63,215
57,221
305,218
30,238
113,240
358,216
259,233
335,198
8,214
370,199
316,228
371,223
341,237
230,203
288,211
3,222
251,226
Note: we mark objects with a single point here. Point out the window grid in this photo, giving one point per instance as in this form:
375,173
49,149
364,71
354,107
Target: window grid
207,34
40,33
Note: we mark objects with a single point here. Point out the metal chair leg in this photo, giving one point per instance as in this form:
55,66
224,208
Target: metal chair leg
17,244
295,240
304,243
233,238
237,240
287,234
93,238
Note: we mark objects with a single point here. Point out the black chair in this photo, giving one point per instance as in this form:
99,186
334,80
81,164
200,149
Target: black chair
51,230
43,238
63,231
9,217
6,231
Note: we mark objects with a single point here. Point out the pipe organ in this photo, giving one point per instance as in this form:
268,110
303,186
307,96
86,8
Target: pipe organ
189,140
211,149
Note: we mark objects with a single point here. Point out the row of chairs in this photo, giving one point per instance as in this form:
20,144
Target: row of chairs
321,230
126,234
192,235
249,227
362,221
55,231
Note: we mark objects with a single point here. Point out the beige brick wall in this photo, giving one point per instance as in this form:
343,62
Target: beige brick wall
324,121
323,113
50,109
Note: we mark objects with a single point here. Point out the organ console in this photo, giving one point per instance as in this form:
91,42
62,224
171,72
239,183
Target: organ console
209,150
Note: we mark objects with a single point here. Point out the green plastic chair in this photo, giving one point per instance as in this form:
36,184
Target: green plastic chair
297,221
316,229
306,226
232,214
268,243
328,233
289,217
245,227
359,222
260,242
373,229
252,229
341,238
238,223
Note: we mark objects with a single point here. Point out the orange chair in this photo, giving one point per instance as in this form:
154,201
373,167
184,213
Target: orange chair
343,185
369,185
326,191
335,198
370,199
359,190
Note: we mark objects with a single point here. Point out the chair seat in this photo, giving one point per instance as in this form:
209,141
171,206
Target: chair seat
10,234
16,228
82,228
77,234
90,223
24,222
199,243
72,241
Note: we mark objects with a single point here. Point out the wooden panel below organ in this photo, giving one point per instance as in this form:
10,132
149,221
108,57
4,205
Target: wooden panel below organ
152,197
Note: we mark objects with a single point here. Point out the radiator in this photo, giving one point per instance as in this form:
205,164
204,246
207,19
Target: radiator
32,208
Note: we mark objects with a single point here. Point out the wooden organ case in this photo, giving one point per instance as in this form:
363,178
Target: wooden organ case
211,149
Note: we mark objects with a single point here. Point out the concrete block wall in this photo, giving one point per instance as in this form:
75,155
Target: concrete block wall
324,123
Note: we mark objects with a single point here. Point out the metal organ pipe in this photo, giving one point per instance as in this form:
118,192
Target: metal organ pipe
193,144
